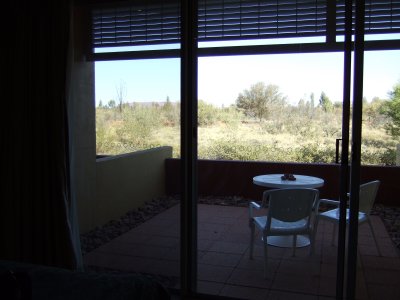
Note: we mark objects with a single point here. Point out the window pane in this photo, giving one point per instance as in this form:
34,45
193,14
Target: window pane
137,105
269,107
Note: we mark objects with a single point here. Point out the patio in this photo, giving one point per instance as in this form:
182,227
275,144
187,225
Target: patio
225,269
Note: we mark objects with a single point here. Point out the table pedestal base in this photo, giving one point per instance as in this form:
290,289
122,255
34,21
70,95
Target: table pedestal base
286,241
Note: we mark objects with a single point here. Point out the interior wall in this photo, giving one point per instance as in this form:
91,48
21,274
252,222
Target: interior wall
83,124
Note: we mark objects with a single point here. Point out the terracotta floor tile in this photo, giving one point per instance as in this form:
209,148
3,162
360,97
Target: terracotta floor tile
299,268
224,267
251,278
241,227
327,287
135,250
377,262
220,259
241,292
387,248
117,262
236,237
204,244
162,241
273,252
210,234
368,249
304,284
228,220
229,247
172,254
382,276
280,295
257,263
213,273
213,226
379,292
165,268
209,287
328,270
133,237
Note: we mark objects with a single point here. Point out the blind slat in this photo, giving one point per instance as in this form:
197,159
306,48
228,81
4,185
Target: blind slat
233,20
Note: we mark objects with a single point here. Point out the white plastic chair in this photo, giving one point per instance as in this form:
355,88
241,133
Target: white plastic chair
368,192
290,212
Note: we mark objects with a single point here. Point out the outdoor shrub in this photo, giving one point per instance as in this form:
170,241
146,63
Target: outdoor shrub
207,114
291,134
315,153
388,157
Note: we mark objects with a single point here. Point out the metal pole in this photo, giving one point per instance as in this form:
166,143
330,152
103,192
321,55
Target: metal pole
338,143
356,149
344,166
188,147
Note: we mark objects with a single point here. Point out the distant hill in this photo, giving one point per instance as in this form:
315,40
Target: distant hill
152,103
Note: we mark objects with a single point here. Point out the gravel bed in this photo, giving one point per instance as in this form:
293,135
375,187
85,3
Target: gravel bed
103,234
391,218
109,231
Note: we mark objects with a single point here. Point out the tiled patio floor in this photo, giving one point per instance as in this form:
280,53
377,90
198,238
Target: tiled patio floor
225,269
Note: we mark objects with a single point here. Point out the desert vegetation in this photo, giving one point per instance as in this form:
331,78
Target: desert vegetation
261,125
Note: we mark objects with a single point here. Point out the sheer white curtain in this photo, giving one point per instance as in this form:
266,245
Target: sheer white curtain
72,113
37,209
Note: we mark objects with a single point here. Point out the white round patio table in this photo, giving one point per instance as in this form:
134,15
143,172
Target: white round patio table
276,181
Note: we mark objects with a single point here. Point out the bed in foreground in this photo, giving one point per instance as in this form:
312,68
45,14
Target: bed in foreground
28,281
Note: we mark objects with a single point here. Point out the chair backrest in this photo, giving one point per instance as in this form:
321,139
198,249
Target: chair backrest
292,204
368,193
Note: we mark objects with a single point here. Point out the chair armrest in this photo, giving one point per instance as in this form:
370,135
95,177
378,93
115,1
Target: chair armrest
328,201
253,205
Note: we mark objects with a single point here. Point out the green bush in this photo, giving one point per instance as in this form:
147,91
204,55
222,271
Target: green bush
234,149
316,153
290,135
207,114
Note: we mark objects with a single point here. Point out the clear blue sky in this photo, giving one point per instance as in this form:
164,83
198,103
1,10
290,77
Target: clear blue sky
221,79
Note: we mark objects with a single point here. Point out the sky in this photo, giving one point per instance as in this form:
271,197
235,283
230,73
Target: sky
221,79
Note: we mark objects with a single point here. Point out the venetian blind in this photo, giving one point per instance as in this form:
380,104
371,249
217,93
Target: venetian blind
158,21
381,16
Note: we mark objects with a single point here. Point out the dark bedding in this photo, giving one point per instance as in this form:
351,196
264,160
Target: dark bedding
41,282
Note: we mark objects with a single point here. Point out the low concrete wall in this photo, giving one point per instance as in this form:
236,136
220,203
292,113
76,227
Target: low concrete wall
235,178
125,182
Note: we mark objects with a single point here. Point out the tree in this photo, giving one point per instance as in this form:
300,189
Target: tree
372,112
207,114
392,110
312,101
167,105
260,100
325,102
170,113
111,104
121,93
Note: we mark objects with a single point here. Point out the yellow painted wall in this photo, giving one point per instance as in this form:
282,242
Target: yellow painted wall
125,182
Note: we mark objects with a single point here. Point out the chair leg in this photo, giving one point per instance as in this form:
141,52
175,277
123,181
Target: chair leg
313,236
265,255
374,237
294,245
252,227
